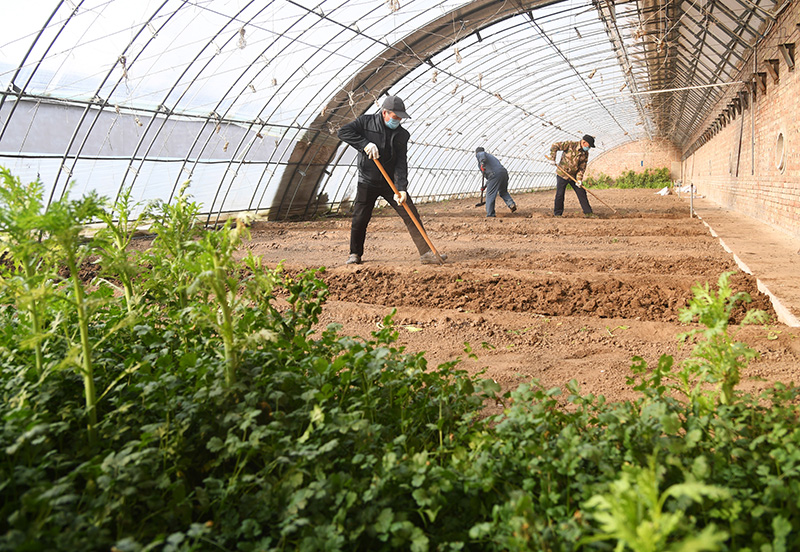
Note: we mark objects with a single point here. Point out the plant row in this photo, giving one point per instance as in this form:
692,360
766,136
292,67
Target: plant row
655,178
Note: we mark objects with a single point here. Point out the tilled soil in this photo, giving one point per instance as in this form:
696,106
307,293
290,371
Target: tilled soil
534,296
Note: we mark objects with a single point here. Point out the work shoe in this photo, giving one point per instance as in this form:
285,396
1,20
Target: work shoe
589,215
513,208
354,259
430,258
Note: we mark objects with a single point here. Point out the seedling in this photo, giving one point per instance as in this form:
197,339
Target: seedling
612,330
772,333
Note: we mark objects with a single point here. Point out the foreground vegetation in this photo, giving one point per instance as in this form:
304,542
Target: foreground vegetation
182,400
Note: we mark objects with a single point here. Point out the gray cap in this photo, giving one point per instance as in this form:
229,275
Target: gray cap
396,106
479,149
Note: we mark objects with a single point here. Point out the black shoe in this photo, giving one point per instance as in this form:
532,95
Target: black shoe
513,208
430,258
354,259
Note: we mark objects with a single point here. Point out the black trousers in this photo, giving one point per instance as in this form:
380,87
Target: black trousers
561,188
366,195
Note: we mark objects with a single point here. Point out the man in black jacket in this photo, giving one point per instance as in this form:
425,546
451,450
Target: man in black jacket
380,136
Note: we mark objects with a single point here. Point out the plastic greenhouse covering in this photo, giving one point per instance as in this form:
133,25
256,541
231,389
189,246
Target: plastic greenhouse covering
243,98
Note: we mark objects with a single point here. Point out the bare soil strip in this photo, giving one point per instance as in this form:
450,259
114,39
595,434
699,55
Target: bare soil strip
534,296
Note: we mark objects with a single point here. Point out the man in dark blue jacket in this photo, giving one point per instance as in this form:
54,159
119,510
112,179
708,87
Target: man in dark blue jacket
496,177
380,136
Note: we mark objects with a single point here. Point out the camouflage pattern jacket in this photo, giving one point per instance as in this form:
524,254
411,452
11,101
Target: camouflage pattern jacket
573,161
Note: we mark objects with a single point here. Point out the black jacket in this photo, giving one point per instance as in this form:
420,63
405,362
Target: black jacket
392,146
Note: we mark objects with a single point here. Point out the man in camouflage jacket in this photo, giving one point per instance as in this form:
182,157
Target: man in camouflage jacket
572,164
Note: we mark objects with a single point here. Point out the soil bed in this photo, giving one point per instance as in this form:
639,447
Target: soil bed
535,296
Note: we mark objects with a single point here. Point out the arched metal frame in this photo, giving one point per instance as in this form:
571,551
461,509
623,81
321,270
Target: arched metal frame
244,97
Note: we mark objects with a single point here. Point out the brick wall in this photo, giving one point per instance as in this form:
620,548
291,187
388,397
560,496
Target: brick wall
752,163
636,156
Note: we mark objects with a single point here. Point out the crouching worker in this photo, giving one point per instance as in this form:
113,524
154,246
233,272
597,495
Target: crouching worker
381,136
496,177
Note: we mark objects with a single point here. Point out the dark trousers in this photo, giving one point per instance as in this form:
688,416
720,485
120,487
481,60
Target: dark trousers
561,188
497,185
366,195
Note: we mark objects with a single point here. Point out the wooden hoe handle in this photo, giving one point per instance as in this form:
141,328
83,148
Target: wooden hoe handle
408,210
565,173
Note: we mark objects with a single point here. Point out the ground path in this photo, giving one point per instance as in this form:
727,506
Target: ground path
769,254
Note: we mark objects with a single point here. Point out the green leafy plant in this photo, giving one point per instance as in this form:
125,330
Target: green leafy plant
709,376
175,226
26,277
117,233
717,358
215,289
64,222
634,513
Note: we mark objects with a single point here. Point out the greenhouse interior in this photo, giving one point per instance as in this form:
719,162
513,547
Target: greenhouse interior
244,98
217,335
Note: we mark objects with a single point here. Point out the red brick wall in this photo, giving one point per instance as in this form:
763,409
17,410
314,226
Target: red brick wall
636,156
738,167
